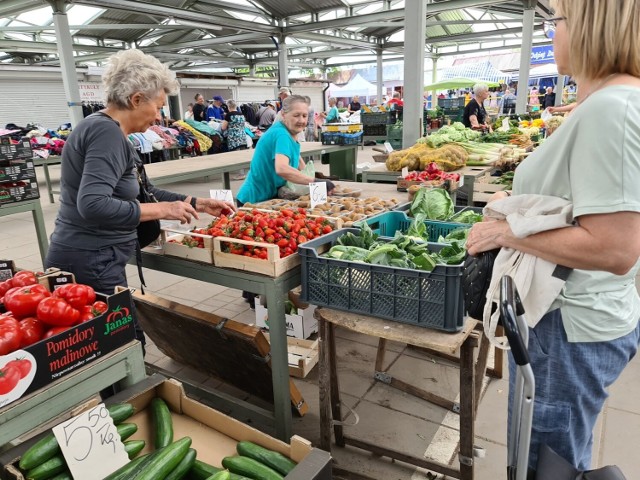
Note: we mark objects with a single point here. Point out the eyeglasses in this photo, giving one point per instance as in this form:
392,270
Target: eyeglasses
549,26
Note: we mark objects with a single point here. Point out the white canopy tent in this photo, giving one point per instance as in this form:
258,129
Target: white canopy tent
357,86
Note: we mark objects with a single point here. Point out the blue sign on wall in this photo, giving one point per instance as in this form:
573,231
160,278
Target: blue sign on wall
542,54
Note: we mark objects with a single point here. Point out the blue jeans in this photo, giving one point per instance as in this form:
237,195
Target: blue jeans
571,387
102,269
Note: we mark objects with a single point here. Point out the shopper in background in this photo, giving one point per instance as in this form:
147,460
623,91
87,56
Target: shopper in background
332,116
310,132
549,98
267,114
508,103
534,99
396,102
354,106
215,110
580,347
95,230
233,124
199,109
283,93
188,115
475,115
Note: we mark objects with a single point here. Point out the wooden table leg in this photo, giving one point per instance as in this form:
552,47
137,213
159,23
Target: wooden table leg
382,344
467,408
324,386
336,411
481,366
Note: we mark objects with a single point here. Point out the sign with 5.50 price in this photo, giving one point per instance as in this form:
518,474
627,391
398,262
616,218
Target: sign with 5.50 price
91,445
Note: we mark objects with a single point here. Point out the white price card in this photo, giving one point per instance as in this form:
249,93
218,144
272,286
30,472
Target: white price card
91,444
318,193
224,195
388,147
405,172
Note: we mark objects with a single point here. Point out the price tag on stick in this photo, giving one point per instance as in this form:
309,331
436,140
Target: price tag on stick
224,195
91,444
318,193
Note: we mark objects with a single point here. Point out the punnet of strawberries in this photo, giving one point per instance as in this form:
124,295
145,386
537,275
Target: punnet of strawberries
285,228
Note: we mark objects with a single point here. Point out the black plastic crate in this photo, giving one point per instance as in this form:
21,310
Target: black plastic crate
425,299
451,102
375,130
373,118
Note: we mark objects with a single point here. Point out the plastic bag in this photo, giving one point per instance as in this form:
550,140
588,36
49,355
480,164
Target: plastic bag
546,115
308,170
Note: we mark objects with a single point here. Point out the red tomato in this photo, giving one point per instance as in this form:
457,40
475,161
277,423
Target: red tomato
23,278
5,287
86,313
54,331
76,294
22,364
99,308
23,301
9,378
10,334
57,312
32,331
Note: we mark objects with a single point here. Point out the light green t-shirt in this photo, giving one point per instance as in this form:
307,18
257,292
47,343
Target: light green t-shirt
593,160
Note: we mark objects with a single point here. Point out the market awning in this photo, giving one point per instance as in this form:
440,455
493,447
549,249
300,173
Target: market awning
454,83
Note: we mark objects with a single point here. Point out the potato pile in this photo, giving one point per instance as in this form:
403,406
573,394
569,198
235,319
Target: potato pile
348,209
448,158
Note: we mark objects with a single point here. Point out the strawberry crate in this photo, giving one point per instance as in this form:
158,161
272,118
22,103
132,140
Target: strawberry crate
425,299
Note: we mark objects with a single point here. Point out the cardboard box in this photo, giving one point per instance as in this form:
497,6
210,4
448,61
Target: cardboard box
10,152
58,356
16,171
54,278
20,191
213,433
7,269
302,325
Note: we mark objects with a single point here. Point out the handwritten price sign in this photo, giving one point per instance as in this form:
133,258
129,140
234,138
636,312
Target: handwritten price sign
224,195
91,445
318,193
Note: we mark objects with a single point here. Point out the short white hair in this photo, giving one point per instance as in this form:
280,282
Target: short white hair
231,104
480,88
132,71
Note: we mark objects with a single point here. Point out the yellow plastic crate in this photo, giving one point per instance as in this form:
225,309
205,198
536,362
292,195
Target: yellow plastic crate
342,127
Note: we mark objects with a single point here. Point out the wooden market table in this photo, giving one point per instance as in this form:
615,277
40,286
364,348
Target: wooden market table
124,367
34,207
379,173
471,375
162,173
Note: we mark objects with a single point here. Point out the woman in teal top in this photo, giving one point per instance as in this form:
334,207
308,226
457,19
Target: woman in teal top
276,159
332,115
591,332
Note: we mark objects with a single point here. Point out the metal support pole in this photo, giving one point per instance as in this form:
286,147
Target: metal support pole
283,61
414,50
525,58
434,79
67,62
560,89
379,75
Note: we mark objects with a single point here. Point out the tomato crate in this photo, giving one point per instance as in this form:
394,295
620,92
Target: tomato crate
387,224
425,299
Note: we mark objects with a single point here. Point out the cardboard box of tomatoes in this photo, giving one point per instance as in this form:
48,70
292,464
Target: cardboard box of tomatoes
45,336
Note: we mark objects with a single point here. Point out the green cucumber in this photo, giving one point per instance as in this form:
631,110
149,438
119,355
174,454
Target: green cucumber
202,471
227,475
134,447
275,460
162,423
120,412
250,468
183,467
125,430
126,471
63,476
46,448
48,469
161,465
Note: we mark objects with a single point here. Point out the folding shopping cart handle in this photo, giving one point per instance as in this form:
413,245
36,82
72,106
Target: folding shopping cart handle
510,307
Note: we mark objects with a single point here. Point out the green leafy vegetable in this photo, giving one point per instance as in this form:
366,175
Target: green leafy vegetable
418,229
365,240
452,254
354,254
466,216
435,203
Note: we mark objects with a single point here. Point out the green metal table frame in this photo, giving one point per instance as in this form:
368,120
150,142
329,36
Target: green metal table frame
45,162
124,367
34,207
274,291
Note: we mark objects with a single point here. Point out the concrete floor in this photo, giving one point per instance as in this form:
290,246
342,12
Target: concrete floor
386,416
